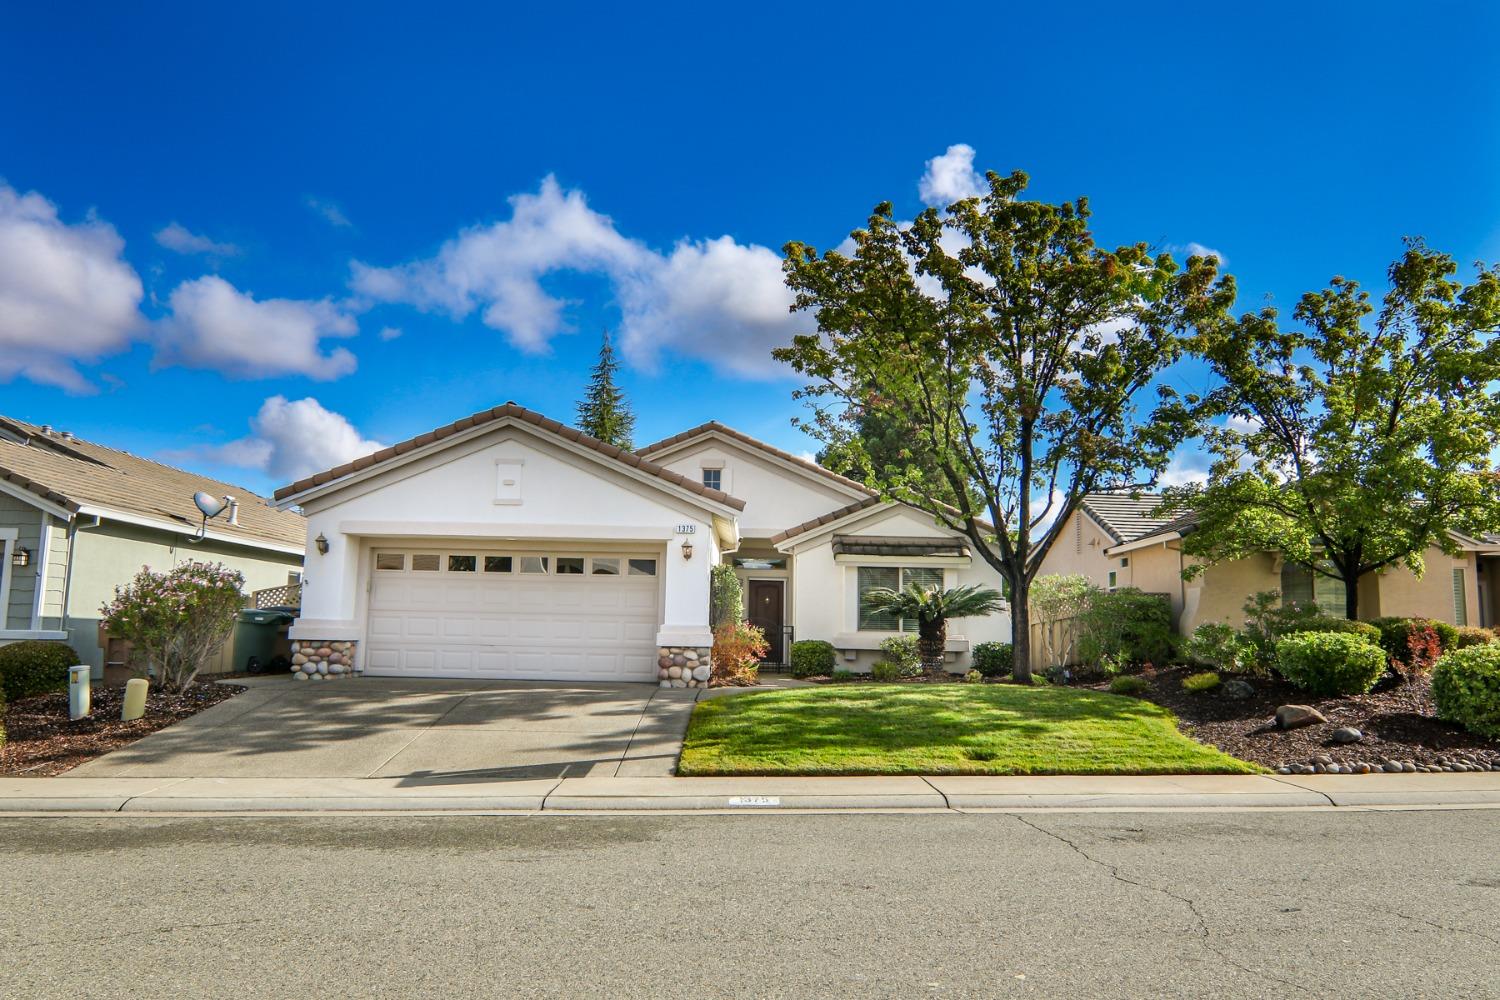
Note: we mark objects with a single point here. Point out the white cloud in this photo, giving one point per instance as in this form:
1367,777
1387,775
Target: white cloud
291,439
1191,249
1185,468
330,212
951,177
182,240
390,332
214,325
66,293
714,299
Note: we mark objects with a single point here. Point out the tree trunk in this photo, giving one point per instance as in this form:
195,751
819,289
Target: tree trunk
1351,597
1020,635
932,640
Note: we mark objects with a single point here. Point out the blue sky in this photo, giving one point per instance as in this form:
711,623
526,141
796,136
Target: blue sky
210,216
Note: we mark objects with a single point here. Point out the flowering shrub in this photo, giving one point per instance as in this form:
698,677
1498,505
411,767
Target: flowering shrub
738,647
175,621
1413,644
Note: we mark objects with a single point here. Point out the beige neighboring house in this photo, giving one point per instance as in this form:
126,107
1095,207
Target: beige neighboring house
1114,540
77,519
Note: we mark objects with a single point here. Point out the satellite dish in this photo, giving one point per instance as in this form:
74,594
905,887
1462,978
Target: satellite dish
211,506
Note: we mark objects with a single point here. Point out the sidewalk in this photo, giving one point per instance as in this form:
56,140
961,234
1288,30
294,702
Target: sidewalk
617,794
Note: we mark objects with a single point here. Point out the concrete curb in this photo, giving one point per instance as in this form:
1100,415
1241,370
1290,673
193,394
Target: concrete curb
144,796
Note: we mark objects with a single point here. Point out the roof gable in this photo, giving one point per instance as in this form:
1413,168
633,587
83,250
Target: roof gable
714,429
497,417
1124,516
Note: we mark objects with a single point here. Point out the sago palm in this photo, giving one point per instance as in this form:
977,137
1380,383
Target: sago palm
931,607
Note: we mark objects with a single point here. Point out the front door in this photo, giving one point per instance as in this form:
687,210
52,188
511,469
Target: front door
767,613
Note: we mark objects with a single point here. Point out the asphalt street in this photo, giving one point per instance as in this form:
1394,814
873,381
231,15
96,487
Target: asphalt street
1226,904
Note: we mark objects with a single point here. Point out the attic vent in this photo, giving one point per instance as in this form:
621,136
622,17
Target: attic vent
1077,533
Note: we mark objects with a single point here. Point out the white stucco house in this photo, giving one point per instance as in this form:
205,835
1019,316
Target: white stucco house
509,545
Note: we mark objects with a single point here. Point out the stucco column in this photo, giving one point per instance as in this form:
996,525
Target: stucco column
685,591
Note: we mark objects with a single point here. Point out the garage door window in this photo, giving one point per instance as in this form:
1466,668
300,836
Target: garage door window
462,564
426,562
498,564
390,560
570,565
604,567
643,567
533,564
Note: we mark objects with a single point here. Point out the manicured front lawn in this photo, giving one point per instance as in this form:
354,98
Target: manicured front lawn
942,729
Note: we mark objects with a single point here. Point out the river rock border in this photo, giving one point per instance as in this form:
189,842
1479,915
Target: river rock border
323,660
683,666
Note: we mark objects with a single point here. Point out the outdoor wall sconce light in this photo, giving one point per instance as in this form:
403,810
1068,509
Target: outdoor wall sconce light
687,550
20,557
322,543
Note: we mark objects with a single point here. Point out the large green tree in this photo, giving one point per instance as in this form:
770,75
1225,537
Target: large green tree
871,444
604,413
1012,352
1352,445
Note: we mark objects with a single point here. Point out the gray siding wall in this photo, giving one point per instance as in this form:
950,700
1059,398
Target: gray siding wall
27,520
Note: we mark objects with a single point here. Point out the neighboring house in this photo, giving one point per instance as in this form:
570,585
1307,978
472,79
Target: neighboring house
78,519
509,545
1115,542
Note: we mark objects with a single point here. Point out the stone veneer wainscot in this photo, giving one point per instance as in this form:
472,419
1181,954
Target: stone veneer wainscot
683,666
321,660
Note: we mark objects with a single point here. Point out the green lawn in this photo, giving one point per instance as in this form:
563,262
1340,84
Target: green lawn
942,729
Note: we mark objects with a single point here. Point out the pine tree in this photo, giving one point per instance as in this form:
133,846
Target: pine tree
603,412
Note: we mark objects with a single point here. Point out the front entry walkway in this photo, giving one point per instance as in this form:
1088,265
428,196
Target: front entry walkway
439,730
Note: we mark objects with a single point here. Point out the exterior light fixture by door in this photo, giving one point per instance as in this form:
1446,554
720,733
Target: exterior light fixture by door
20,557
322,543
687,550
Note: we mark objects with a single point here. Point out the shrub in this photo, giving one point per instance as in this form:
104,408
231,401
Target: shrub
1129,684
1330,663
34,666
842,676
738,647
993,659
725,602
1200,683
1412,644
1219,646
812,658
901,650
886,672
1268,619
1466,688
1344,626
1129,624
973,677
175,621
1447,634
1469,636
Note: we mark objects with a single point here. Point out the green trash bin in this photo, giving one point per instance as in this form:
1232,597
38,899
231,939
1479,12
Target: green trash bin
255,634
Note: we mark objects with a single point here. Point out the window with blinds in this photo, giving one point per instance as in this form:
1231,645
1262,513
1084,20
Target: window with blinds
893,578
1460,599
1299,585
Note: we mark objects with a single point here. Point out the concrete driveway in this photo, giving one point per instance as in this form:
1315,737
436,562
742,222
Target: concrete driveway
435,730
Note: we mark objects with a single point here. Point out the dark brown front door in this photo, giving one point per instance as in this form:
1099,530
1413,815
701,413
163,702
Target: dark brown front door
767,602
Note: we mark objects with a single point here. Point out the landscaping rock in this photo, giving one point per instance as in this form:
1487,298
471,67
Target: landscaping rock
1297,716
1236,690
700,672
1347,734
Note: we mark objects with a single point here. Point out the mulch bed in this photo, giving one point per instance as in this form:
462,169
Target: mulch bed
41,741
1399,724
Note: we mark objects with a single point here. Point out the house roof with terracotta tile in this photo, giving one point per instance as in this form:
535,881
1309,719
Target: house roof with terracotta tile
521,414
72,474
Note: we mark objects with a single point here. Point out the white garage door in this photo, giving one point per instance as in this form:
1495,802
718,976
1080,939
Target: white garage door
469,612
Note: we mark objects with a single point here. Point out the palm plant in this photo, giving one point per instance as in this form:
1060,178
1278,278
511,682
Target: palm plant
931,607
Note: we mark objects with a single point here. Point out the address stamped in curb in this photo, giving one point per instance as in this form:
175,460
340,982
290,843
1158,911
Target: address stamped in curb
755,800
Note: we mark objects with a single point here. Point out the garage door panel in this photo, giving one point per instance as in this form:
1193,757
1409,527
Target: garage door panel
512,625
